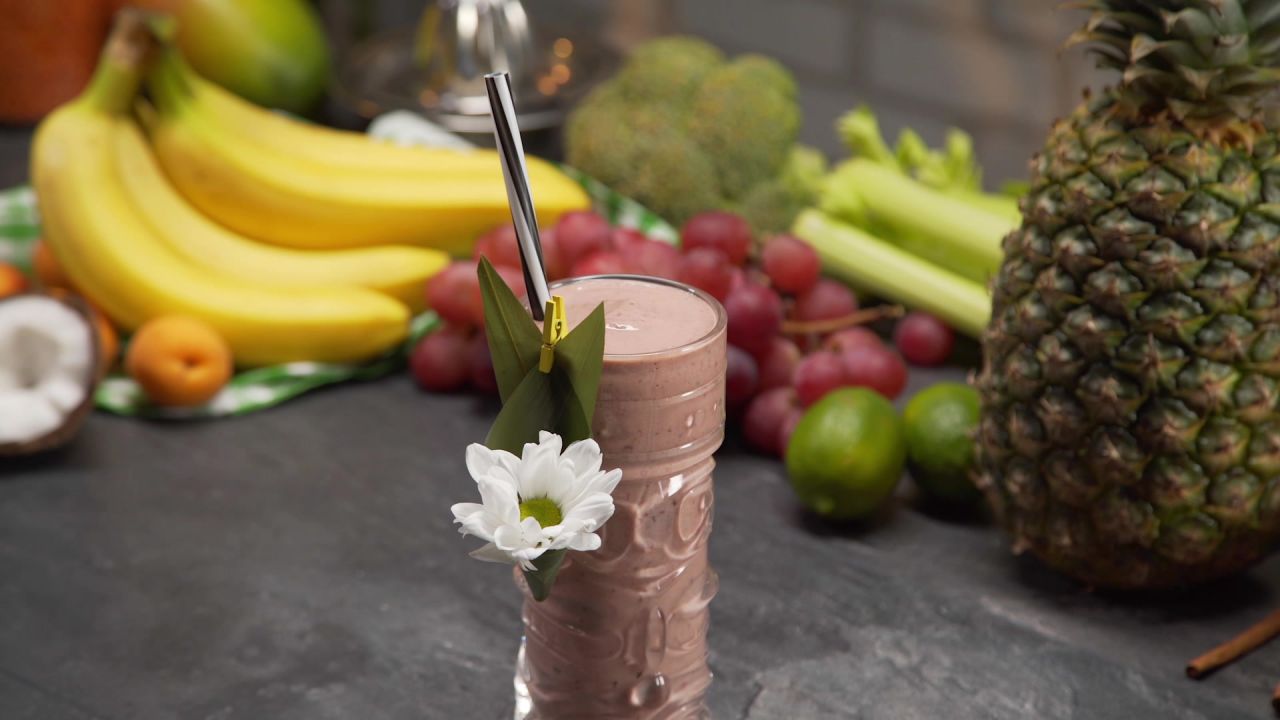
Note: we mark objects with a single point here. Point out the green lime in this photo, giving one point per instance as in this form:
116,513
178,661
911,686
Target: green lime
846,454
940,423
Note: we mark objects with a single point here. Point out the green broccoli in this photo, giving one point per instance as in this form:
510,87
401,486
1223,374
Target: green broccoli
771,205
747,127
667,70
681,130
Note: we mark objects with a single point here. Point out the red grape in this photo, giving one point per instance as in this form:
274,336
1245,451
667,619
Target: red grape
923,339
439,361
876,367
651,258
739,278
723,231
765,415
741,378
787,428
454,293
500,246
791,264
755,317
827,299
817,375
581,233
552,256
850,338
602,262
481,364
625,236
708,270
778,363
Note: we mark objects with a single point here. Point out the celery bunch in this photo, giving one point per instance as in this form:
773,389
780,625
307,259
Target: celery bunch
911,224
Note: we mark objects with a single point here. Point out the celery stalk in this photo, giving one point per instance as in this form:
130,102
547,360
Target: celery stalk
956,234
879,267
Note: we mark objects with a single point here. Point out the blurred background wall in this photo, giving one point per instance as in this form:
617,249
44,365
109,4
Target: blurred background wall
992,67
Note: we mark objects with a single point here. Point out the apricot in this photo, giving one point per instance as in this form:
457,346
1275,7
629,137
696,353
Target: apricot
46,267
12,281
179,361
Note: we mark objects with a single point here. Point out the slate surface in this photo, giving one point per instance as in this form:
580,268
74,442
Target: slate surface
301,564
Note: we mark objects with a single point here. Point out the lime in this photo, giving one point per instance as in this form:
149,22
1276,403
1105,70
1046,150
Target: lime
846,455
940,423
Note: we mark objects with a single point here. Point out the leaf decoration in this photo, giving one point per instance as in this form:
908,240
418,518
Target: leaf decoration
580,356
514,339
541,580
532,407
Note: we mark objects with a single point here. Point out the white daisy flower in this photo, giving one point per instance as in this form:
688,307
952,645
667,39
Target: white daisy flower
542,501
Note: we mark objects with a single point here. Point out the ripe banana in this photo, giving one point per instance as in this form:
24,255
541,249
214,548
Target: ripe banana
112,254
270,190
400,272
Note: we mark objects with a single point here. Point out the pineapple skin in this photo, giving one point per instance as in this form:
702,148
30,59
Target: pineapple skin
1129,433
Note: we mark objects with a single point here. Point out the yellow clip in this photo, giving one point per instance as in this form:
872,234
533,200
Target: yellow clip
554,326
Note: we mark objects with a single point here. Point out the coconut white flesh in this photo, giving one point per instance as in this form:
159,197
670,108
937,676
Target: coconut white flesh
46,359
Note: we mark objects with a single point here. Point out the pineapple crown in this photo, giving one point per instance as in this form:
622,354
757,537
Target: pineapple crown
1200,60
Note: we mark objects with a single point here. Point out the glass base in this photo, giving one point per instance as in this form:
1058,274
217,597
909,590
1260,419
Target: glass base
524,703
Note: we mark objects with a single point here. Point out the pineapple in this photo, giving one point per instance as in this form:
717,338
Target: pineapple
1130,435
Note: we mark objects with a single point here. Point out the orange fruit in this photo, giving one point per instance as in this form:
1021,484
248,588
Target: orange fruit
48,271
12,281
179,361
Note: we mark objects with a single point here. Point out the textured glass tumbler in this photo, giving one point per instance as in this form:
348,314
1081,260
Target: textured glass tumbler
624,633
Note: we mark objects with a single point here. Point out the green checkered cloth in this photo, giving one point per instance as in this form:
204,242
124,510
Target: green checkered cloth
260,388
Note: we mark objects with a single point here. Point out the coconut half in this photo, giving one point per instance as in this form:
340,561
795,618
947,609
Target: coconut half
48,371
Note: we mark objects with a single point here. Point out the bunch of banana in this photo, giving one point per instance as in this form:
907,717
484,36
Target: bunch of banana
130,243
284,182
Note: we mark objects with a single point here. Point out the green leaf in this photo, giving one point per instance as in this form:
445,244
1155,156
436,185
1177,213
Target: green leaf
541,580
529,409
514,339
571,421
580,356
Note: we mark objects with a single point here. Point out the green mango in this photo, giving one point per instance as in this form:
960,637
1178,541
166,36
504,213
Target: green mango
272,52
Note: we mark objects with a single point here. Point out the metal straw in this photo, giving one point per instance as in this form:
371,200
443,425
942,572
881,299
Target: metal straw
507,134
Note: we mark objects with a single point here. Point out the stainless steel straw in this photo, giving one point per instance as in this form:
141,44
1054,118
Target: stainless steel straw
507,134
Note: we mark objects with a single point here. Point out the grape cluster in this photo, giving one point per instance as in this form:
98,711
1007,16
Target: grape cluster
787,343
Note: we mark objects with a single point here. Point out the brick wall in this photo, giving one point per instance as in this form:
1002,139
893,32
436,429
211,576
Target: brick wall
991,67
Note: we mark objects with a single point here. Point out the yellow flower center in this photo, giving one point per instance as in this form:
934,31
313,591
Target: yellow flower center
546,512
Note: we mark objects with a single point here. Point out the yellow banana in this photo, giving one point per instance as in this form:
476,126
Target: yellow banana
276,193
340,148
400,272
111,253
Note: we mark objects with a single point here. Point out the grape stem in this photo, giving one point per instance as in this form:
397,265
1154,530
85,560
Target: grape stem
857,317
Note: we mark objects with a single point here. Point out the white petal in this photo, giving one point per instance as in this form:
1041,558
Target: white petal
609,481
499,497
480,459
530,532
585,456
491,553
590,513
462,511
508,538
564,486
537,475
586,542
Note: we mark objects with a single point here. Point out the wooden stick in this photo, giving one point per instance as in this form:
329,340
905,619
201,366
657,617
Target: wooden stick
857,317
1275,700
1236,647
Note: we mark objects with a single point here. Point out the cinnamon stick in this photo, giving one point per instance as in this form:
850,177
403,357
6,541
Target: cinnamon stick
1237,647
1275,699
857,317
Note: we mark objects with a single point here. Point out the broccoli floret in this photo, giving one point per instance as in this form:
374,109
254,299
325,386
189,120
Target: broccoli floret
681,131
667,70
674,178
746,127
768,72
772,205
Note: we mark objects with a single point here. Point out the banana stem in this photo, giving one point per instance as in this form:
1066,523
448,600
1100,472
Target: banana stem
124,56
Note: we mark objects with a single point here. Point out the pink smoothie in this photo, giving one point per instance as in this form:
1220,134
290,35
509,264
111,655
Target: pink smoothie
623,634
